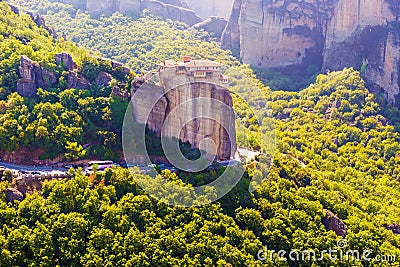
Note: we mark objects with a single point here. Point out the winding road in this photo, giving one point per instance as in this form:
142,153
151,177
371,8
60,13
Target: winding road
29,168
15,167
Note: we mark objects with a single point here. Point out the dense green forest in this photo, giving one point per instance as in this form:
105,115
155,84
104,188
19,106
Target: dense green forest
337,149
144,42
58,120
140,43
344,159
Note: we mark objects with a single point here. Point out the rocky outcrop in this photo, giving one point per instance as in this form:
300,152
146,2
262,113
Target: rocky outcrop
66,61
74,78
13,194
166,9
333,223
231,36
329,34
26,86
40,22
210,8
213,25
369,39
33,76
103,79
194,112
275,34
78,81
395,228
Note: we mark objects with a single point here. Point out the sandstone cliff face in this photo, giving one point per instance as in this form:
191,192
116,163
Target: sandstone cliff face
367,33
213,25
33,76
199,129
331,34
350,15
182,110
278,33
210,8
231,36
166,9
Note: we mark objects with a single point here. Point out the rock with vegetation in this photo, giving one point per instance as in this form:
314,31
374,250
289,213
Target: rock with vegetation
167,9
395,228
65,60
333,223
13,195
42,80
33,76
351,160
103,79
214,25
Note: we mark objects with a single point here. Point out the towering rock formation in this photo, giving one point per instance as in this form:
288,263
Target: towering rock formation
213,25
80,4
111,6
231,36
271,34
367,33
330,34
166,9
210,8
197,110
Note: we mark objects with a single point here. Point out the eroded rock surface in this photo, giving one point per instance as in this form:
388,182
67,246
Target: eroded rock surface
333,223
13,194
166,9
65,60
278,33
33,76
210,8
395,228
328,34
192,110
103,79
213,25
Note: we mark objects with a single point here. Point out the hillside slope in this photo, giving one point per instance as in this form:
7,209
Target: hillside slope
335,174
68,100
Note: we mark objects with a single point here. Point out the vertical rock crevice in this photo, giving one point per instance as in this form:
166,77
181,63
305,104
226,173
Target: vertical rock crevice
289,35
